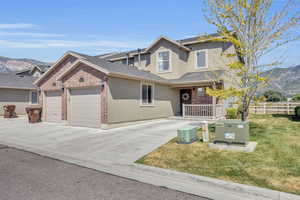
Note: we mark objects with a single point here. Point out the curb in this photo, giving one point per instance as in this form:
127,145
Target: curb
197,185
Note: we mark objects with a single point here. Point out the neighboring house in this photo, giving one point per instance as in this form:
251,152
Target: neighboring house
160,81
17,90
35,71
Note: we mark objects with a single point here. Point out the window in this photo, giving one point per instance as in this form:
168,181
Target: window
201,61
200,92
33,97
163,61
147,94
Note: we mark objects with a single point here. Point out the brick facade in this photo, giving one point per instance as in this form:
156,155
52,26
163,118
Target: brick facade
49,83
82,76
196,99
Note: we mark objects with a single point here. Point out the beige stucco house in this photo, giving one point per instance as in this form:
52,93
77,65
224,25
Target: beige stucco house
17,90
35,71
168,78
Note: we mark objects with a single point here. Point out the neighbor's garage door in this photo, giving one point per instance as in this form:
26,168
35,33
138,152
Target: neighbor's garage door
85,107
53,106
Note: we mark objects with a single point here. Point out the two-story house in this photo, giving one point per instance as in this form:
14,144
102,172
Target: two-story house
35,71
168,78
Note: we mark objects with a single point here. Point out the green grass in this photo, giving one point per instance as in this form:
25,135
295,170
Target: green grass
275,163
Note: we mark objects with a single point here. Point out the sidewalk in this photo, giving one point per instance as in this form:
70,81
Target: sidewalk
115,151
197,185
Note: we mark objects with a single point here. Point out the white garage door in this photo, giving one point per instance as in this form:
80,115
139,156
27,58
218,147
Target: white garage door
85,107
53,106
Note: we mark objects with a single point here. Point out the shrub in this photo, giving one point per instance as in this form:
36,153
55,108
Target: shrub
231,113
274,96
212,128
297,112
296,97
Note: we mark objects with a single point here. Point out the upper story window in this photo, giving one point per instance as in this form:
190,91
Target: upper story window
33,97
163,61
147,91
201,59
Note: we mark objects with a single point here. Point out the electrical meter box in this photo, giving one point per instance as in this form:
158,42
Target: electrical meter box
232,132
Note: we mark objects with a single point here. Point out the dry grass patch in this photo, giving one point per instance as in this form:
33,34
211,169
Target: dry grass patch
275,164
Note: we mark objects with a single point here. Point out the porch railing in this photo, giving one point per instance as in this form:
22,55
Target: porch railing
209,111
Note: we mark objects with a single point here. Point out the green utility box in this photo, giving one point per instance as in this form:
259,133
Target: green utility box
232,131
187,135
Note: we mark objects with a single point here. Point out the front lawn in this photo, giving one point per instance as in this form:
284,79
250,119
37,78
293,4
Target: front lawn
275,163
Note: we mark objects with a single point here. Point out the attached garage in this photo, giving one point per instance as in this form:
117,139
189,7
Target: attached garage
53,106
85,107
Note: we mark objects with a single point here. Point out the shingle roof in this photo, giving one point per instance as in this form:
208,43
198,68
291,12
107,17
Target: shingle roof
122,54
121,69
181,41
135,72
196,38
44,68
11,80
198,77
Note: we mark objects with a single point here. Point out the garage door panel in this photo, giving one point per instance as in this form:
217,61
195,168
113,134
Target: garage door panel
53,106
85,107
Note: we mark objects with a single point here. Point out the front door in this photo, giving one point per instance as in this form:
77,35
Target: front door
185,97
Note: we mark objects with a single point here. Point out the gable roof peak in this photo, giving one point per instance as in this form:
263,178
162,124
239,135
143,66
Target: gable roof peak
162,37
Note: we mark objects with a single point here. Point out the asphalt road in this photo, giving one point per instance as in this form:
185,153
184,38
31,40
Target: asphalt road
27,176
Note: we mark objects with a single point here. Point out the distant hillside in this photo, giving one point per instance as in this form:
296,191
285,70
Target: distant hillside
18,64
284,79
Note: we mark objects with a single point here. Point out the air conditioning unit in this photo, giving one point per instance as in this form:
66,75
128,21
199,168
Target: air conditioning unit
232,132
187,135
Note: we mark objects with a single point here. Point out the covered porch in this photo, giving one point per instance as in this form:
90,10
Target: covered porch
195,103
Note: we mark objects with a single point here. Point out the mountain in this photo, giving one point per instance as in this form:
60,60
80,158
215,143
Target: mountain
18,64
283,79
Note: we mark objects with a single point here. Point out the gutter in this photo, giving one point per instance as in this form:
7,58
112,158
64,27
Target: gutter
17,88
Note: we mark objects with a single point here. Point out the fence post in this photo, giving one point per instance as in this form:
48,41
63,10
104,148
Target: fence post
183,110
288,108
265,111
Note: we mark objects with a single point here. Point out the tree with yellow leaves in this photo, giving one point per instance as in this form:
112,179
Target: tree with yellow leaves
255,30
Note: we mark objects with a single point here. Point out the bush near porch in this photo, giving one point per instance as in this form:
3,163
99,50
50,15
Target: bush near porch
275,164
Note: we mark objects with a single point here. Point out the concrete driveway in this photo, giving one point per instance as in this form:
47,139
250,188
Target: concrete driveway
114,152
120,145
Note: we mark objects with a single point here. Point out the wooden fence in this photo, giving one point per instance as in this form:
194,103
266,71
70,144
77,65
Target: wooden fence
274,108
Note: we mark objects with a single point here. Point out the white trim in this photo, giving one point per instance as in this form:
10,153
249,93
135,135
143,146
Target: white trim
141,92
30,97
170,61
206,59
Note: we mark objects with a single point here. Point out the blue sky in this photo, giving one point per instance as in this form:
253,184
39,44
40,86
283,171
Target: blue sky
44,30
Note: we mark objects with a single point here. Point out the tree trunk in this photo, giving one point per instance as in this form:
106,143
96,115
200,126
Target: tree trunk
244,114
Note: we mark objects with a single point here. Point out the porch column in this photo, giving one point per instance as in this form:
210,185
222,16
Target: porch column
214,101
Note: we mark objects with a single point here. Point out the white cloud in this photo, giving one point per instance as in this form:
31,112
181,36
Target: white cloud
17,26
48,35
69,44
